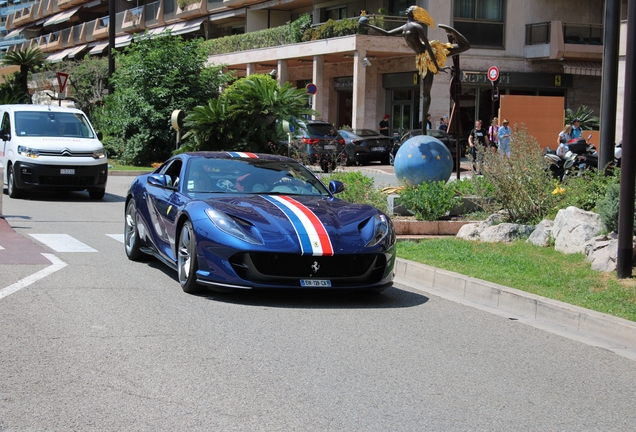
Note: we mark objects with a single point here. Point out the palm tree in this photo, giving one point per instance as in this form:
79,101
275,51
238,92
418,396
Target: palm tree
27,61
585,114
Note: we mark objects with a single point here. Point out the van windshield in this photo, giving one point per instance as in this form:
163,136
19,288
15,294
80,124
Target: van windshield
52,124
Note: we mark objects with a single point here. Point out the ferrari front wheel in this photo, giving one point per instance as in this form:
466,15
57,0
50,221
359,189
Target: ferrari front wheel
187,259
131,234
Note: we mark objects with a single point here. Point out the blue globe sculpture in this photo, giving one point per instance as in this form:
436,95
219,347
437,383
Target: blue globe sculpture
423,159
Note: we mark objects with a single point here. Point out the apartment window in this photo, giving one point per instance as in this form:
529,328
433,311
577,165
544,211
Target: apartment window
480,21
399,7
336,13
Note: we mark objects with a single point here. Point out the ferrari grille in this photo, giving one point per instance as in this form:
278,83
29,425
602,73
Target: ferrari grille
342,269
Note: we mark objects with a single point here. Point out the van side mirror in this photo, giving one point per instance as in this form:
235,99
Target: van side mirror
5,136
100,135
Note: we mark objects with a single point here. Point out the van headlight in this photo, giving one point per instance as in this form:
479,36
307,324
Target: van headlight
28,152
99,154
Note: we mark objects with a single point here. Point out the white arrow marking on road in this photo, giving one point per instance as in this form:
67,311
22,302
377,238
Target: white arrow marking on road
62,243
57,265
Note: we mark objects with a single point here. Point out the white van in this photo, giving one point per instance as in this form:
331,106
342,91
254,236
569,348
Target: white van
50,147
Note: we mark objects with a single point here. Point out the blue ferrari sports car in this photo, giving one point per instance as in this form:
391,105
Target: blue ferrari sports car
231,220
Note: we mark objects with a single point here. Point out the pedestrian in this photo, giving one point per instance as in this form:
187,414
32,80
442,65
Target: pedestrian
384,125
443,124
577,132
564,136
429,123
493,131
503,135
478,137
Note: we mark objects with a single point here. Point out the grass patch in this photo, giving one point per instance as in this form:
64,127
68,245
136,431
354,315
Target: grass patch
537,270
118,167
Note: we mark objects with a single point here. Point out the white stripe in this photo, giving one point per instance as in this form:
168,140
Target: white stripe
57,265
309,227
118,237
62,243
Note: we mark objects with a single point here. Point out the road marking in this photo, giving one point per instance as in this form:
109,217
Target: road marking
62,243
1,248
57,265
118,237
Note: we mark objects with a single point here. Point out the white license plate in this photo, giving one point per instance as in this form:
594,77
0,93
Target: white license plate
67,171
329,147
377,148
315,283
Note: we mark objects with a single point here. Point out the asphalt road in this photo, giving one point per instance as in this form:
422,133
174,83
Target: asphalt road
103,343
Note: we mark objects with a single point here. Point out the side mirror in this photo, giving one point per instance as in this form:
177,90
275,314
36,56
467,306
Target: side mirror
158,180
100,136
5,136
335,186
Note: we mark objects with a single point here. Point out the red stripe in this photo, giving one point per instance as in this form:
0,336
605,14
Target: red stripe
320,229
251,155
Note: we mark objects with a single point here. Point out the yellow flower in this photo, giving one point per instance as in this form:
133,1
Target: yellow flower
558,190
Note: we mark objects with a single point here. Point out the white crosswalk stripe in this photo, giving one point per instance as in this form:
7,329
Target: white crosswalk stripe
118,237
62,243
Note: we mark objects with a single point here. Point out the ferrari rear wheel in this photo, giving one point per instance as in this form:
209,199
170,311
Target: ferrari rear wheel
131,234
187,260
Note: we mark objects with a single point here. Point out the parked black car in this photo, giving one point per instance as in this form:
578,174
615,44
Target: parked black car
366,145
322,142
435,133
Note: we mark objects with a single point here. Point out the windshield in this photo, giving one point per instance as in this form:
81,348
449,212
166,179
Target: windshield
253,176
52,124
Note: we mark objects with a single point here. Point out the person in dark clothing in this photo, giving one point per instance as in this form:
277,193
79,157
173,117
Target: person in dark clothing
384,125
478,137
443,124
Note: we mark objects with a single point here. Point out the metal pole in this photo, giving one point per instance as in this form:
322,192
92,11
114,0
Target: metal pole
628,159
111,43
609,82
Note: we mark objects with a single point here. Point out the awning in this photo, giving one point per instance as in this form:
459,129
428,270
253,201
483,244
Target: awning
583,68
157,30
122,41
60,55
99,48
14,33
61,17
228,14
77,50
187,26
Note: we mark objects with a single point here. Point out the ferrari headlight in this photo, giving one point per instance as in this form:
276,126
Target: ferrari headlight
99,154
229,226
380,229
28,152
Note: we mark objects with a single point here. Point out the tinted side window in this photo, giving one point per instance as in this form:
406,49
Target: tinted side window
322,130
5,127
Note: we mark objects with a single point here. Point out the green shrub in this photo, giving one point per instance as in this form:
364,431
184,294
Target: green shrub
608,208
429,200
359,189
521,183
330,29
470,186
584,191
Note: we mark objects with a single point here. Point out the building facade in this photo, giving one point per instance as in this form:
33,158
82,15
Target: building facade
541,48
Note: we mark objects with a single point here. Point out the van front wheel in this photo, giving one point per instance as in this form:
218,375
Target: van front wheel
13,189
97,194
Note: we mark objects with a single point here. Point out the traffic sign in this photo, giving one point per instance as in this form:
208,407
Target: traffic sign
493,73
62,78
311,88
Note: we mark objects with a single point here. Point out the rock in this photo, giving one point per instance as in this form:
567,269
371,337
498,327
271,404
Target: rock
573,228
505,232
541,234
602,252
469,231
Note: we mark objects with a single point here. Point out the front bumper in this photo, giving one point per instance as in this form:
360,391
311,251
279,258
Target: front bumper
60,177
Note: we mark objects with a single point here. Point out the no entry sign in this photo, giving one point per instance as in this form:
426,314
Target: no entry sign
493,73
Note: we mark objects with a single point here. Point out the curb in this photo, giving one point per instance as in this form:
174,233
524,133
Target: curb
533,308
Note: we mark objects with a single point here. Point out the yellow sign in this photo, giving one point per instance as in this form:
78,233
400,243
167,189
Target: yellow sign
557,80
414,79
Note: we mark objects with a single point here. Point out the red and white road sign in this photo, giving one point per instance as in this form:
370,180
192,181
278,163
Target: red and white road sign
62,78
493,73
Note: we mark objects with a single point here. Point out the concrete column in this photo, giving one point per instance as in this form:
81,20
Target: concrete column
359,89
319,100
283,72
251,68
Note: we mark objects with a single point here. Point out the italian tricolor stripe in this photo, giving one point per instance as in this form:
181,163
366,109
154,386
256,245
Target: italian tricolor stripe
311,233
243,155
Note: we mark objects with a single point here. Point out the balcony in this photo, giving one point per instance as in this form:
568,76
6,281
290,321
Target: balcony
556,40
191,8
133,20
67,4
23,16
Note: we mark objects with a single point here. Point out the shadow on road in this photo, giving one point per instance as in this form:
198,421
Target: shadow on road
68,196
